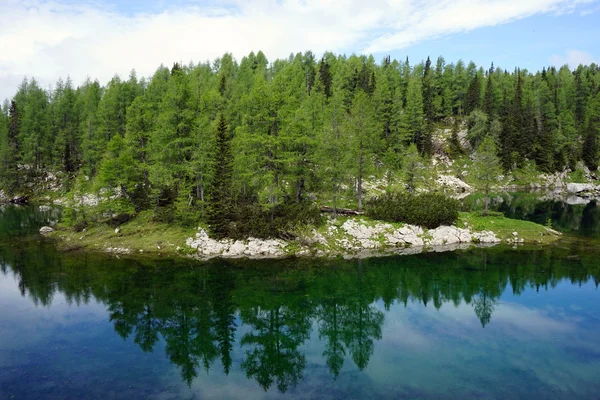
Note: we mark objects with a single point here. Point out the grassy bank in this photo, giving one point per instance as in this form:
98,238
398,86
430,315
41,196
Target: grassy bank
504,228
139,235
143,236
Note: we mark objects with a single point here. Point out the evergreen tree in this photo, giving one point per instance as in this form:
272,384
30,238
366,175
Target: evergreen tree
590,143
486,167
9,151
325,77
428,94
544,146
221,209
488,99
34,129
362,129
413,121
473,95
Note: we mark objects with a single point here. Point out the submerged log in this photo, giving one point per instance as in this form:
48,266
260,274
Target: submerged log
341,211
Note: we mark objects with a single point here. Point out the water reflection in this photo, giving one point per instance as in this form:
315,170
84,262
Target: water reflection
273,322
566,213
269,309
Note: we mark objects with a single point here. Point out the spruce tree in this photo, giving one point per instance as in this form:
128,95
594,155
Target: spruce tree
488,99
428,88
325,77
221,207
473,95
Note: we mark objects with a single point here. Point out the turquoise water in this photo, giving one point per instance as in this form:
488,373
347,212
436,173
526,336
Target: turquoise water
492,323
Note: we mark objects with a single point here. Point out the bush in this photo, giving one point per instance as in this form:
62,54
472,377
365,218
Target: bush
249,219
430,209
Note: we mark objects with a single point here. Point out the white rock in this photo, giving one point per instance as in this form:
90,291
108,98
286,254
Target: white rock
45,230
515,234
453,183
117,230
449,235
485,237
580,187
269,247
236,249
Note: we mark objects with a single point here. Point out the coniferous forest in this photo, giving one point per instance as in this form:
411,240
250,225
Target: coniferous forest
230,141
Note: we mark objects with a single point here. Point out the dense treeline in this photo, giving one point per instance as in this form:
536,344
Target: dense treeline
227,134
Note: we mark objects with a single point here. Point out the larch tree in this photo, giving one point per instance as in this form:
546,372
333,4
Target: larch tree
362,128
486,167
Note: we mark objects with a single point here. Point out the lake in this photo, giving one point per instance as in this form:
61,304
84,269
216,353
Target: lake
493,323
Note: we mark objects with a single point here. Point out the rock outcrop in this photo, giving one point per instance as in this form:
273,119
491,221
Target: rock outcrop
452,183
207,247
352,239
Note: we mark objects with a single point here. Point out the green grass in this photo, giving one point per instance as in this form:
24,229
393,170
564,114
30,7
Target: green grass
142,236
504,227
138,234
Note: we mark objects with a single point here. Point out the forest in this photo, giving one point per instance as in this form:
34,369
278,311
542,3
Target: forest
226,142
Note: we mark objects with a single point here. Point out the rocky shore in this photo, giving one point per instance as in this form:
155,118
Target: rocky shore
354,238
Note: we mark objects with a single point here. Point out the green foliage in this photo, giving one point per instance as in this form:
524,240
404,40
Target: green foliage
477,124
486,167
281,221
429,209
221,208
299,128
413,167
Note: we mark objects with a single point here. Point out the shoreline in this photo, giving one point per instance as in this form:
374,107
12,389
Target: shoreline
344,237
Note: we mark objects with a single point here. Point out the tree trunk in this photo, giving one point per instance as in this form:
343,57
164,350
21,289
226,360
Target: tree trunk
487,200
360,177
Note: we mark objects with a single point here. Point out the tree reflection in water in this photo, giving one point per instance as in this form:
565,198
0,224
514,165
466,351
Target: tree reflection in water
203,311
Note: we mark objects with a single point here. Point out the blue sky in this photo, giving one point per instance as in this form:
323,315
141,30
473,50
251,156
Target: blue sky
48,39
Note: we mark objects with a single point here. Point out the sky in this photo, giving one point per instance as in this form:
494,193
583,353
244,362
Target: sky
49,39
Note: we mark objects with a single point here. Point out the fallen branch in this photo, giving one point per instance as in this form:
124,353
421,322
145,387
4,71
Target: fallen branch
342,211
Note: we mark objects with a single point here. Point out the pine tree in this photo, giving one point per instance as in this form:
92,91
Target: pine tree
221,208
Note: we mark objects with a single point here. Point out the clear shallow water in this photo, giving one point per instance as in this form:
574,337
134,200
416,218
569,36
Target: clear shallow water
573,215
482,324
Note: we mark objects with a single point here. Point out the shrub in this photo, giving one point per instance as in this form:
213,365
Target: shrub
249,219
430,209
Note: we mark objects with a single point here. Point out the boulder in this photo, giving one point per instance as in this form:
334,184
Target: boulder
449,235
485,237
45,230
237,249
580,187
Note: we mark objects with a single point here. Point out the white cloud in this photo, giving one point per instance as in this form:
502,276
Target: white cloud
50,39
573,59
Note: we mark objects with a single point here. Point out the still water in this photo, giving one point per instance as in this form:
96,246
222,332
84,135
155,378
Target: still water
491,323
